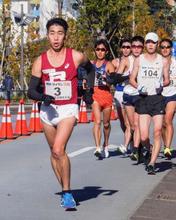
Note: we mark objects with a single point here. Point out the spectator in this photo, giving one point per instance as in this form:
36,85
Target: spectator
8,85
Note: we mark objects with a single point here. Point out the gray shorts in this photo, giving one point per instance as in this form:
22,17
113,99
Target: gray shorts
53,114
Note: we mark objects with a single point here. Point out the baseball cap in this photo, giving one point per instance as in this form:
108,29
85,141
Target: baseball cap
152,36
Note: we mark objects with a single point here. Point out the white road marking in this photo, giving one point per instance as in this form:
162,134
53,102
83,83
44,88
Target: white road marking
85,149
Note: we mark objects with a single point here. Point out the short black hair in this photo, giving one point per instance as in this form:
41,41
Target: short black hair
102,41
57,21
125,40
167,40
138,38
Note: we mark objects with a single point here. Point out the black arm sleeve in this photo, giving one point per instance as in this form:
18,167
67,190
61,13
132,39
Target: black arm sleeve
86,65
89,74
114,78
34,89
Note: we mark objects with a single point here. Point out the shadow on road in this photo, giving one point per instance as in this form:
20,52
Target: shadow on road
164,165
90,192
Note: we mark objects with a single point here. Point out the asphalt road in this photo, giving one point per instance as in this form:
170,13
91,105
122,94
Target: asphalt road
111,188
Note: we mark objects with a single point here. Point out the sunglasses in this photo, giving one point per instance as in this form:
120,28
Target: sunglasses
165,47
126,47
137,46
100,49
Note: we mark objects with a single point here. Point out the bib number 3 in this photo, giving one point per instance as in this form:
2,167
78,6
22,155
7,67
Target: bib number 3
60,90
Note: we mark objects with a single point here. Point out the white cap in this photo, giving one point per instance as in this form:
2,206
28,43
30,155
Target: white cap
152,36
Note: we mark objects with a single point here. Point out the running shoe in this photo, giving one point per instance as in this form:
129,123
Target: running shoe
134,156
140,155
150,169
122,149
146,155
67,201
106,152
167,152
98,152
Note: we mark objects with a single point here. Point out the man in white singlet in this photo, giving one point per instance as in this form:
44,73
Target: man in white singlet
150,74
169,93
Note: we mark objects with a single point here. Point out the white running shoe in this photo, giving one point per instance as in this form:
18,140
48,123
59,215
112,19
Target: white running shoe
106,152
122,149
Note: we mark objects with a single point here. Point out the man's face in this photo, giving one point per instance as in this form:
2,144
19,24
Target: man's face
56,36
100,51
126,49
151,46
136,48
165,49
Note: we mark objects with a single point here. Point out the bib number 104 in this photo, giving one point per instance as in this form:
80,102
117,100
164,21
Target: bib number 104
150,73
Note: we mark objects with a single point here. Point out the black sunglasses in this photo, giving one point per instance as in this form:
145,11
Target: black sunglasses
137,46
165,47
100,49
126,47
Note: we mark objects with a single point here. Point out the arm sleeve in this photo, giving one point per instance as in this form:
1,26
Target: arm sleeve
114,78
89,73
34,91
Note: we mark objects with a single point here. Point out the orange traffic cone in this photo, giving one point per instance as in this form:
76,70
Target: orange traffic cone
6,131
21,124
113,113
83,113
35,123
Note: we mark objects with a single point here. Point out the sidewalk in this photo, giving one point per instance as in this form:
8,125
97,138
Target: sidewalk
161,203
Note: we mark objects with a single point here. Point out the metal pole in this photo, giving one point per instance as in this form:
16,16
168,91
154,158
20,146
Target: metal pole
22,52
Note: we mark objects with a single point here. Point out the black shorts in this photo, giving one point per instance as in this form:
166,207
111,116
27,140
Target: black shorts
130,100
151,105
169,99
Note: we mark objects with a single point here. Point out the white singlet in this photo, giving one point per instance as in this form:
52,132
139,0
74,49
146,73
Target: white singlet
170,90
129,89
150,73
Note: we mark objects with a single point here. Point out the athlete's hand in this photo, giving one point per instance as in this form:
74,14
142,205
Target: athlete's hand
47,99
142,90
158,88
84,84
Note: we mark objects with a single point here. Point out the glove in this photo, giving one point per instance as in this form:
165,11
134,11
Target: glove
158,88
47,99
87,96
142,90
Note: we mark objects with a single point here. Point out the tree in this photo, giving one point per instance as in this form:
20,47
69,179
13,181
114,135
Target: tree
6,35
114,20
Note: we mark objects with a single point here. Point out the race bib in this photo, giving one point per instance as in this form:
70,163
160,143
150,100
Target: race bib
60,90
173,82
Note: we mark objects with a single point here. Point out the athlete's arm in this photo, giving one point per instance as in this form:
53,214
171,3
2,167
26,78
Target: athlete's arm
35,83
133,75
123,65
110,68
116,63
112,78
166,77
